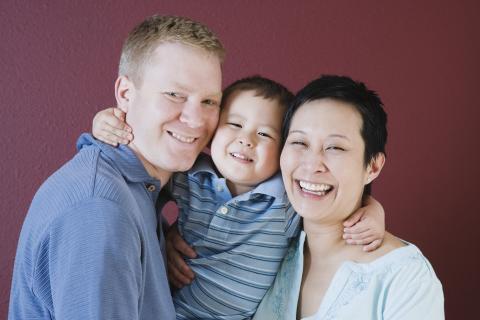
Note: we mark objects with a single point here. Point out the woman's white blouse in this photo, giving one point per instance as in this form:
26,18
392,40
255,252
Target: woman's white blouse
398,285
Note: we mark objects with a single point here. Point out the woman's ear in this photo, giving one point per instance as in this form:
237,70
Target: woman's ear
124,91
374,167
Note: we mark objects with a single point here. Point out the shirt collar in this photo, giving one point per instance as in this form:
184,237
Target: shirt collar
122,158
272,187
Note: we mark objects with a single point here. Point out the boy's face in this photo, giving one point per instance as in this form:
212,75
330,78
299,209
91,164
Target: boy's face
174,110
246,145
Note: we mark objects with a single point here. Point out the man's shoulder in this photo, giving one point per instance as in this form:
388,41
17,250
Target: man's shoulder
86,176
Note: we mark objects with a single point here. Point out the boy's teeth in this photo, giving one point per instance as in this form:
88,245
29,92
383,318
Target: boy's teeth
182,138
315,187
239,156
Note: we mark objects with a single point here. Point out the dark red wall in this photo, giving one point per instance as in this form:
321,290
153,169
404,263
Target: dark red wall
58,61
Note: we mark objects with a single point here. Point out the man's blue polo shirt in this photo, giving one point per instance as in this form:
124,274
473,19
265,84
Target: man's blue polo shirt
89,248
240,242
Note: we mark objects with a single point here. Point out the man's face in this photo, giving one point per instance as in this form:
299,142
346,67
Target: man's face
174,109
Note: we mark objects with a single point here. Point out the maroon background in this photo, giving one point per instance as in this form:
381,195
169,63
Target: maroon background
58,62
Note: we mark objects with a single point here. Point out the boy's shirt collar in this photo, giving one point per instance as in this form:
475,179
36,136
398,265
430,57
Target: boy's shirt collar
272,187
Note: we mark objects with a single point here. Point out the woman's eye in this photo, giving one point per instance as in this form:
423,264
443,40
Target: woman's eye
233,124
298,143
335,148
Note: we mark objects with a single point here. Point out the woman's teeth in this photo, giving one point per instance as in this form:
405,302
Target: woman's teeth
320,189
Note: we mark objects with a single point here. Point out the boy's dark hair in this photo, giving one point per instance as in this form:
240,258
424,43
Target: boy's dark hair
263,87
365,101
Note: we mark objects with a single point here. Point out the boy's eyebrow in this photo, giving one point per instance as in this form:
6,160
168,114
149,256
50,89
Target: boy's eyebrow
261,124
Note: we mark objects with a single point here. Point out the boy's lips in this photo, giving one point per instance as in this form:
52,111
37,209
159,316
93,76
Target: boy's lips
241,157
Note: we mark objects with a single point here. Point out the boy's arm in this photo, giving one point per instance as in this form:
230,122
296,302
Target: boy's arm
366,226
109,126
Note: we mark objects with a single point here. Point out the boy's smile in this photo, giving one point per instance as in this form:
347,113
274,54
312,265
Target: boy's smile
246,145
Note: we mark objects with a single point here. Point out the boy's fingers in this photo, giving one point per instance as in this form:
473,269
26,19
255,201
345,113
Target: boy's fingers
117,132
372,246
107,135
119,114
357,228
358,236
117,124
362,241
354,218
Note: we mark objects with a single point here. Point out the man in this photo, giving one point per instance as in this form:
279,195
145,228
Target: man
89,247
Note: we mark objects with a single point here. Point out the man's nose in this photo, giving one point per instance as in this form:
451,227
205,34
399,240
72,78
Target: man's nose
193,114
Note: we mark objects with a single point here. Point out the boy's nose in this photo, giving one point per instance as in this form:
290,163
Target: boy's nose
245,142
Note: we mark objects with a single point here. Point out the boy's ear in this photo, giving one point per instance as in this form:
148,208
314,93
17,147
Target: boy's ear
124,90
375,167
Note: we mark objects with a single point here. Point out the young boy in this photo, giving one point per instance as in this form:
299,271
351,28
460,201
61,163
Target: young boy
233,209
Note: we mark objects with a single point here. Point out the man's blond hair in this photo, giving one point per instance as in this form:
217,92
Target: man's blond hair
144,39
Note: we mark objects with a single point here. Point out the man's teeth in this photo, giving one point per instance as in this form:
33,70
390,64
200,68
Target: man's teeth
314,187
182,138
240,156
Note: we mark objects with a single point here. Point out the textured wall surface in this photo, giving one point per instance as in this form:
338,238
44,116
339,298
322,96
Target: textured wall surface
58,61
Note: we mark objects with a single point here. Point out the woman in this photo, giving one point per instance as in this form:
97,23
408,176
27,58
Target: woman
335,147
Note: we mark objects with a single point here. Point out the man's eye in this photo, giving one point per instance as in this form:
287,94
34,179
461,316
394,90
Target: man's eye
175,96
210,102
233,124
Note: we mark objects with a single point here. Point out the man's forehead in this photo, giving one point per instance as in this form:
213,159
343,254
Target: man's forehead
186,67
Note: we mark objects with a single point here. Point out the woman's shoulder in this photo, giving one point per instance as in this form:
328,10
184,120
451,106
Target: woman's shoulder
397,257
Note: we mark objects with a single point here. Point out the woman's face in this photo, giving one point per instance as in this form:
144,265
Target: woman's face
322,161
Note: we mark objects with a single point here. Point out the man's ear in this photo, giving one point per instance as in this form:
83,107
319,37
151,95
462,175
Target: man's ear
374,167
124,91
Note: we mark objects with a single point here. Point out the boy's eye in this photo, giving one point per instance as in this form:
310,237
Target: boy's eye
263,134
233,124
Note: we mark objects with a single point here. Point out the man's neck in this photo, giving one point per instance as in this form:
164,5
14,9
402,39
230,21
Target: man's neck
155,172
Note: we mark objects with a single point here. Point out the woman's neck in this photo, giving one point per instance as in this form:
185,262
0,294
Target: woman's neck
324,240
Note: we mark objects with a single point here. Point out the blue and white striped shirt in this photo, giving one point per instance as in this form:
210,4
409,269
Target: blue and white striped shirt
240,242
